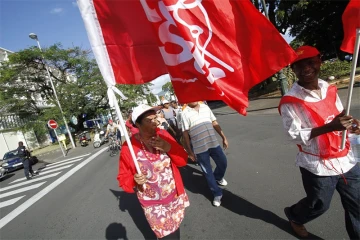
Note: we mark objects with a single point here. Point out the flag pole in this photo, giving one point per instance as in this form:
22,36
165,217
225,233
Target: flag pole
127,138
351,82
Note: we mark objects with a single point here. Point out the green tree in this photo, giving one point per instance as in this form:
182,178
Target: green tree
311,22
168,87
26,90
135,94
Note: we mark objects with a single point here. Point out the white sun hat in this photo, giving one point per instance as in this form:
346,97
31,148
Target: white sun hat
141,109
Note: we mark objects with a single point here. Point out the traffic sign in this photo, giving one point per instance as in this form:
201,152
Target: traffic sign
52,124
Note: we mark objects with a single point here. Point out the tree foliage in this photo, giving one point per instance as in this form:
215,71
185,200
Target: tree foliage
25,89
311,22
168,87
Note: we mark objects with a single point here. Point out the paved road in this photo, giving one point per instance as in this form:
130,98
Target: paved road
262,181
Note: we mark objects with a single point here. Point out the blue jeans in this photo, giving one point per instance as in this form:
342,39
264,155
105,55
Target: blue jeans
220,160
319,191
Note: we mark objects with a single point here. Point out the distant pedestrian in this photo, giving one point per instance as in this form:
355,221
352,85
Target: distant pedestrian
313,117
176,107
199,124
170,115
111,128
24,154
159,188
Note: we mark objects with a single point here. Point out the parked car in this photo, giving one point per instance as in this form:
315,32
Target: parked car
11,161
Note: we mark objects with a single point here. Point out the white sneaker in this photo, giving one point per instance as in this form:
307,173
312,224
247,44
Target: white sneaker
217,201
222,182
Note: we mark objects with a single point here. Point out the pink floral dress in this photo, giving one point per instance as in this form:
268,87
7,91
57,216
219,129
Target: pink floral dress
163,208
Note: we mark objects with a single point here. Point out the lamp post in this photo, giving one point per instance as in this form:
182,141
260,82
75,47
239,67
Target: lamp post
34,37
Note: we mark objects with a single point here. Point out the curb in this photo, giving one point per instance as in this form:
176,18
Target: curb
277,93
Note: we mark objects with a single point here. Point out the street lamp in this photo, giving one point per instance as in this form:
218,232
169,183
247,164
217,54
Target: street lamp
34,37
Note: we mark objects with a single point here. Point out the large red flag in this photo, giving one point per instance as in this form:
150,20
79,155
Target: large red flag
351,22
213,50
123,41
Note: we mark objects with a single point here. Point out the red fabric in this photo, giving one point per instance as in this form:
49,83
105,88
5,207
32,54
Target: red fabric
133,130
351,21
242,48
129,41
127,168
323,112
306,52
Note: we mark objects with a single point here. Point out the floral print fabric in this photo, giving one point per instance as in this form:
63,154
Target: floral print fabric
163,209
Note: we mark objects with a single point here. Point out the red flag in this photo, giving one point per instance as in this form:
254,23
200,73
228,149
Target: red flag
129,41
351,22
213,50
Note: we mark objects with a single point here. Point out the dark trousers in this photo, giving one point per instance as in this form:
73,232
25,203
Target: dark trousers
218,155
27,167
319,191
172,236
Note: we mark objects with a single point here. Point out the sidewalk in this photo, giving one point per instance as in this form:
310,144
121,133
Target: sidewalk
268,103
55,154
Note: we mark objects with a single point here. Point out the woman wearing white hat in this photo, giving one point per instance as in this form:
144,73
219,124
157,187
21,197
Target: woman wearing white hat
159,188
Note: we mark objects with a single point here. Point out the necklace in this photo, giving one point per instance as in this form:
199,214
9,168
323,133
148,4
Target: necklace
146,152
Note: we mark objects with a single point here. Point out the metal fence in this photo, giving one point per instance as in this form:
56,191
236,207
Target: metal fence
11,121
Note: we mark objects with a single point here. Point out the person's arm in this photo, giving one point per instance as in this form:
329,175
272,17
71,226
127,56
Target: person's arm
221,133
185,125
126,171
107,131
339,123
297,133
217,128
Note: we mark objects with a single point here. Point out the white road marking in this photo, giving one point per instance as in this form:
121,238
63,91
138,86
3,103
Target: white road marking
10,202
42,173
65,160
29,182
61,164
21,190
16,212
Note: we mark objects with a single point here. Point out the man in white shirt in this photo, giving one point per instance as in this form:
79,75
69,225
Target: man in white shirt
199,124
314,119
111,128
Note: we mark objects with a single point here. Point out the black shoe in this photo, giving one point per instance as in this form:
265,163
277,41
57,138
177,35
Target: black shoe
28,178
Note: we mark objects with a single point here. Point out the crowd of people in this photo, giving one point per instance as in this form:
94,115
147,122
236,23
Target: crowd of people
165,137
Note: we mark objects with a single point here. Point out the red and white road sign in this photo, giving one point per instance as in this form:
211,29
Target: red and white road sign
52,124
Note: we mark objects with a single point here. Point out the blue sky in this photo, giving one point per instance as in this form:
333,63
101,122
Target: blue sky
54,21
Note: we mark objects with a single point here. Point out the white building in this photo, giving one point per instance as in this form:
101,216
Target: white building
9,137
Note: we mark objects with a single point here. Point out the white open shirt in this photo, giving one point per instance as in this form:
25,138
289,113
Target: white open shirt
296,123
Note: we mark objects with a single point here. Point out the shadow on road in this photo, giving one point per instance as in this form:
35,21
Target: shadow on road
115,231
7,176
129,202
233,202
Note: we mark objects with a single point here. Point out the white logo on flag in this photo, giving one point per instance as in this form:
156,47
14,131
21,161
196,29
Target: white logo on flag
190,50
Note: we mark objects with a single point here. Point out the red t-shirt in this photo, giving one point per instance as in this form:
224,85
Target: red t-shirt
133,130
